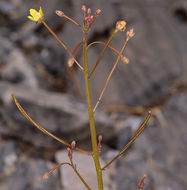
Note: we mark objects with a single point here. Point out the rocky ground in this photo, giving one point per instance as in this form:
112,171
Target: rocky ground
33,66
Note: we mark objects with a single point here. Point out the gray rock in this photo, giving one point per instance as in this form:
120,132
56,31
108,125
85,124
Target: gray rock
6,8
160,151
57,113
85,166
28,175
19,71
9,155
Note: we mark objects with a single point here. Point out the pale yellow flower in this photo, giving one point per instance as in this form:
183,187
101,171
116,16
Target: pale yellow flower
36,16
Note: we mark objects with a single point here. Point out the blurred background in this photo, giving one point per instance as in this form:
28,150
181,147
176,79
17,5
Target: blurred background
34,67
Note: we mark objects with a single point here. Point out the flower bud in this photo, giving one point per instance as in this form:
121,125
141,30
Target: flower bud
59,13
89,11
121,25
130,33
84,8
98,12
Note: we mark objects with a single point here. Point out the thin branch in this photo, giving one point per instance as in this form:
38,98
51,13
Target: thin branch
138,110
62,44
71,60
110,75
123,58
45,176
61,14
102,52
142,182
44,130
138,132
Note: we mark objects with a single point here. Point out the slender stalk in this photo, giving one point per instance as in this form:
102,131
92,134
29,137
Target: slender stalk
45,176
79,175
91,116
113,49
138,132
110,75
44,130
61,14
102,52
61,43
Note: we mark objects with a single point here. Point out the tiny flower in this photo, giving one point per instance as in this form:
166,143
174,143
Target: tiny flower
121,25
36,16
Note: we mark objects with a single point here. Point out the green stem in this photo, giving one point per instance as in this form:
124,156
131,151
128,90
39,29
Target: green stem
91,116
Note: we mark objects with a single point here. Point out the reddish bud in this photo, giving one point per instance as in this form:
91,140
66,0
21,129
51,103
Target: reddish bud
130,33
98,12
73,144
84,8
70,62
59,13
89,11
100,138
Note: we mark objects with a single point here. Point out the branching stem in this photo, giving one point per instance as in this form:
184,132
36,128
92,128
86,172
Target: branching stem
44,130
102,52
103,43
110,75
61,43
91,116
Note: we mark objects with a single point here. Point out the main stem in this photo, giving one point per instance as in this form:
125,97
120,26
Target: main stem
91,116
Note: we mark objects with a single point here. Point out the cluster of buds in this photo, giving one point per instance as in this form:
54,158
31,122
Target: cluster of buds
99,146
70,150
88,18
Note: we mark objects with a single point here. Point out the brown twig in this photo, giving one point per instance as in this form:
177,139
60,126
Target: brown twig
142,182
123,58
110,75
102,52
61,14
138,132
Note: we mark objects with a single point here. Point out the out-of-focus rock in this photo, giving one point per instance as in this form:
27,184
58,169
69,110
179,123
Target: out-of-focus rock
19,71
160,151
57,113
6,8
28,175
9,154
85,166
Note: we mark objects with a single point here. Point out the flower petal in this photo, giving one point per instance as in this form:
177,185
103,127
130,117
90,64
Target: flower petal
31,18
33,12
41,12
